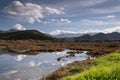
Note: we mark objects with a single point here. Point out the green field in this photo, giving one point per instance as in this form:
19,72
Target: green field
105,68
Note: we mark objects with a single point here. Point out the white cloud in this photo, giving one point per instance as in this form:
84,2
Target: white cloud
18,27
109,17
106,30
57,21
90,22
31,20
54,11
31,12
112,29
65,20
58,32
93,22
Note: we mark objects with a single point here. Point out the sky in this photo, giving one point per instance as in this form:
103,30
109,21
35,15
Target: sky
60,16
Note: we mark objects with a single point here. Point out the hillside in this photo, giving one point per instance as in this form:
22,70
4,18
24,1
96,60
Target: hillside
27,34
99,36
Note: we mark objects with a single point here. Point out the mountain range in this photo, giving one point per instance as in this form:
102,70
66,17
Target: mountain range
68,34
99,37
13,34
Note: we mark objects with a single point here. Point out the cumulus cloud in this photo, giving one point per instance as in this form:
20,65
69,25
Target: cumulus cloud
18,27
54,11
31,12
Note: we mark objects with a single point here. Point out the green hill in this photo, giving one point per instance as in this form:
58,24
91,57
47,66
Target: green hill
27,34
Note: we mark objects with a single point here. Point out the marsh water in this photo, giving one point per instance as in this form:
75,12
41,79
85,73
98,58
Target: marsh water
33,67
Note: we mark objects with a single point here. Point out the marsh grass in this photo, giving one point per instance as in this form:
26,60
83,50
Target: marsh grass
96,48
106,68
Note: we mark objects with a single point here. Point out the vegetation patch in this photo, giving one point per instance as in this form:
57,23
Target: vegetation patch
96,48
105,68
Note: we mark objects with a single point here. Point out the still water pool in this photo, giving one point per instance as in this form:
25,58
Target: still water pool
33,67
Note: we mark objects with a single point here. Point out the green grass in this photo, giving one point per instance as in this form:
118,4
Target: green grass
105,68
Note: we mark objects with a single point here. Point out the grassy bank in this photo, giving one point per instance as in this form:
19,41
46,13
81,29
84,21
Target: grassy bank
105,68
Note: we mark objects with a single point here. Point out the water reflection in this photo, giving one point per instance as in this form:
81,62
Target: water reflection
10,72
19,57
31,67
31,64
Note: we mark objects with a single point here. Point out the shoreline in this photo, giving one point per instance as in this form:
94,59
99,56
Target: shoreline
96,49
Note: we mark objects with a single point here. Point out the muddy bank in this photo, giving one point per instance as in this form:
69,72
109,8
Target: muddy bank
70,69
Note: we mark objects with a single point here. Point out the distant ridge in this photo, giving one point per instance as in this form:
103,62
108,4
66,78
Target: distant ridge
99,37
1,31
70,34
26,34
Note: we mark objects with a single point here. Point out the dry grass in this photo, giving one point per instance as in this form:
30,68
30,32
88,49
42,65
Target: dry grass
95,48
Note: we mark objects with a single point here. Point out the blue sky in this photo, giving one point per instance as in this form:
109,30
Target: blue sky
60,16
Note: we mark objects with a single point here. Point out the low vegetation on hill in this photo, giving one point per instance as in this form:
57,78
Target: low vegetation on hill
27,34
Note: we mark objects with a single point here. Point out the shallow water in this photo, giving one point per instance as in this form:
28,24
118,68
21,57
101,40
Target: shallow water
33,67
